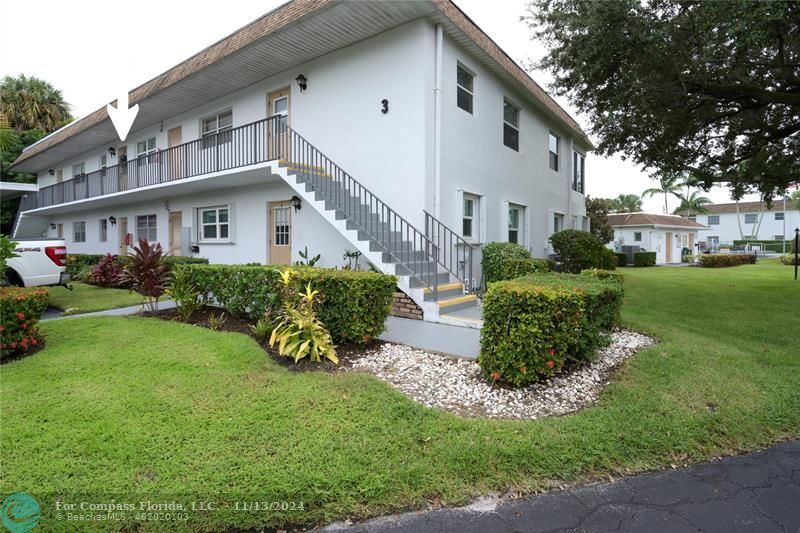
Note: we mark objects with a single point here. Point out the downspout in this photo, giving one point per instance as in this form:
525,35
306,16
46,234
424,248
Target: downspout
437,124
570,177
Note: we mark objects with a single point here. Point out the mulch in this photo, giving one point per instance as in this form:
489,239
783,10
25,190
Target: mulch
347,354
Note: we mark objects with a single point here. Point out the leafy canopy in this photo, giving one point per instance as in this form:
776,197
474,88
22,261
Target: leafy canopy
706,87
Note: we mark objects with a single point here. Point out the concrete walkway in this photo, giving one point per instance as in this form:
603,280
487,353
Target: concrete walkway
453,340
757,493
54,314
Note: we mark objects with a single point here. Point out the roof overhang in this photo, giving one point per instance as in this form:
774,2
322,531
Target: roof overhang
292,34
12,189
660,226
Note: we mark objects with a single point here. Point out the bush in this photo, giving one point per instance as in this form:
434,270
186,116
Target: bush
106,273
147,273
80,263
622,259
603,274
644,259
500,261
726,260
183,293
788,259
353,305
580,249
532,326
7,251
20,310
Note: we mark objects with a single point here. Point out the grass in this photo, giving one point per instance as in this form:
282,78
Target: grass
84,298
131,408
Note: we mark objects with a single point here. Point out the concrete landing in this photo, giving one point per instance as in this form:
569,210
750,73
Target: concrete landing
453,340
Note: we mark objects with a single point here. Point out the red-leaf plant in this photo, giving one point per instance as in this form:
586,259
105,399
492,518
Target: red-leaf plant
147,273
107,272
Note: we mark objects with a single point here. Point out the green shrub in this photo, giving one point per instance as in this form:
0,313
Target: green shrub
788,259
603,274
501,260
767,245
533,325
726,260
580,249
20,310
644,259
353,304
183,293
622,259
7,251
78,263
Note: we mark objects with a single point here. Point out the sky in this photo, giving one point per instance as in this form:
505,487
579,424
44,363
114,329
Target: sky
92,50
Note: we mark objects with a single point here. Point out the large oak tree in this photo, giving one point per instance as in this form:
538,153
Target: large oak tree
707,87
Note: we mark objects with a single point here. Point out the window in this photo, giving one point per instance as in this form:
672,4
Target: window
103,230
470,217
779,215
214,223
103,164
145,148
693,218
637,236
713,220
777,237
554,152
578,168
685,241
79,170
79,231
510,125
558,222
574,221
749,237
516,223
585,224
465,95
282,225
216,128
146,228
750,218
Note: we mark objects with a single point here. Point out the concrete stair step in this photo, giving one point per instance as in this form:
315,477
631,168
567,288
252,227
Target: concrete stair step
426,280
457,303
444,291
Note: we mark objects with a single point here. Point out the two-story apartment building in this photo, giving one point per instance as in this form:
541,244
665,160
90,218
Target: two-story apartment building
399,129
750,221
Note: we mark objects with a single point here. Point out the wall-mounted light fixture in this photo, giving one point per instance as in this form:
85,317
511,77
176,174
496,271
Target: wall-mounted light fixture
112,151
296,203
302,82
53,226
51,172
113,221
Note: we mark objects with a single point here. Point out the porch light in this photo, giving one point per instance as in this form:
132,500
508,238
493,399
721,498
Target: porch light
296,203
51,172
53,226
112,151
113,221
302,82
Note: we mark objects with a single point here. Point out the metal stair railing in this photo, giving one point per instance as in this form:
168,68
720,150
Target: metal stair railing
455,253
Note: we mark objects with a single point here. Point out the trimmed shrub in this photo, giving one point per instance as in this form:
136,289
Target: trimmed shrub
534,325
80,266
20,310
767,245
353,305
501,260
603,274
580,249
106,273
788,259
644,259
622,260
726,260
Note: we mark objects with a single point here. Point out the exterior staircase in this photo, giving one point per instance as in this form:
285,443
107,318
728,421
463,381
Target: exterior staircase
433,269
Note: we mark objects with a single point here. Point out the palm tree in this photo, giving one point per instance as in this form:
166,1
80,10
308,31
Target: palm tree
693,202
668,184
29,102
626,203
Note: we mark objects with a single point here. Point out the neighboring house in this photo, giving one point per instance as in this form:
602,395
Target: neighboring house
666,235
755,222
399,129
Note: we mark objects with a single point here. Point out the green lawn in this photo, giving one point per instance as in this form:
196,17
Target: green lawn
127,408
84,298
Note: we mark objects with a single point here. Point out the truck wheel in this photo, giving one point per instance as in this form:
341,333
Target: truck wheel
14,278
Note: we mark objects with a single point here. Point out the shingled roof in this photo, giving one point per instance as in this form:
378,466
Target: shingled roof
649,219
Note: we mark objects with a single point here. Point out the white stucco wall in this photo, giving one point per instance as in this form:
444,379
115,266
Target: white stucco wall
728,229
653,240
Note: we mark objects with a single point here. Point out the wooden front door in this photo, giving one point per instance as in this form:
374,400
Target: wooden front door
59,175
277,128
175,229
669,247
123,232
691,243
280,232
174,137
122,168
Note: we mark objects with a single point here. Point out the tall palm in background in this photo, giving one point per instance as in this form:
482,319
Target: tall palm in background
626,203
693,203
668,185
29,102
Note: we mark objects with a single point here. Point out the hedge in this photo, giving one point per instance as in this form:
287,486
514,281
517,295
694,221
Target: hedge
767,245
622,259
20,310
726,260
80,266
353,304
579,250
534,325
644,259
501,260
788,259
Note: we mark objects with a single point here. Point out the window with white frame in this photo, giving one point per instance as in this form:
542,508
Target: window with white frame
470,217
510,125
214,223
750,218
578,169
553,141
779,215
145,150
558,222
79,232
516,224
464,88
79,170
693,217
216,129
103,227
146,228
713,220
637,236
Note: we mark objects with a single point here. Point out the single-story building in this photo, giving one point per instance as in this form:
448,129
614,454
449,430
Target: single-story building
667,235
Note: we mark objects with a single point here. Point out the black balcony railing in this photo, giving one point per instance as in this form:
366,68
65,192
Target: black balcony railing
252,143
454,253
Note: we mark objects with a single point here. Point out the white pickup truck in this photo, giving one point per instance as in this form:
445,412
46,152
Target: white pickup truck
40,262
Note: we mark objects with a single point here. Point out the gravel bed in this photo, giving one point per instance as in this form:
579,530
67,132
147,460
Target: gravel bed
455,385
